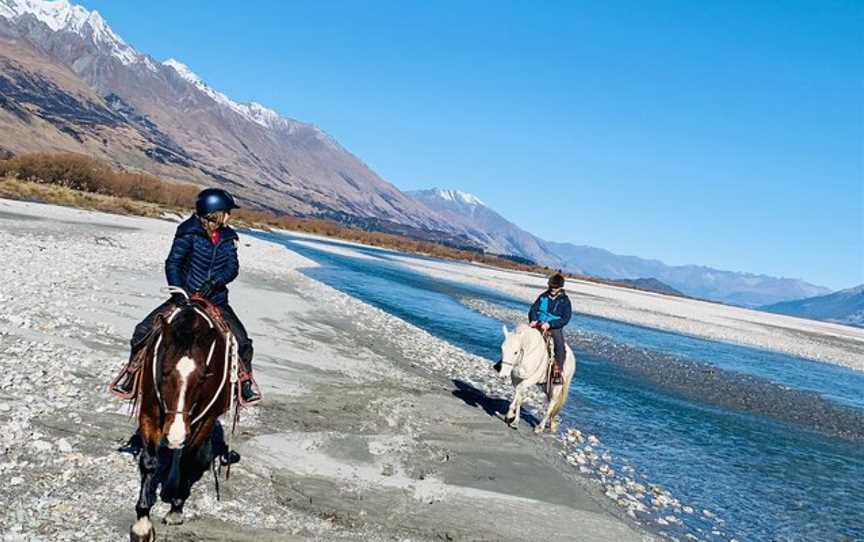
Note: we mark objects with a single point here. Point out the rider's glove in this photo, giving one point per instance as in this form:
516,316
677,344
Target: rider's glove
179,299
207,288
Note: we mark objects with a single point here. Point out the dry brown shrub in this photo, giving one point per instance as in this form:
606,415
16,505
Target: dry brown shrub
78,172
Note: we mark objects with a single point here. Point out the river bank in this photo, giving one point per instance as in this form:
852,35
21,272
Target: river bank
372,429
823,341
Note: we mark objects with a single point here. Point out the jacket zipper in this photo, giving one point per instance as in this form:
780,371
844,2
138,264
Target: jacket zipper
213,259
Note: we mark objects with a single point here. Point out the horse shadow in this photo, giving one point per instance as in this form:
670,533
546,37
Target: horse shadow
493,406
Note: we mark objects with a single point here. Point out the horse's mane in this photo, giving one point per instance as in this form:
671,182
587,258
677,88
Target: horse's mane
188,328
522,328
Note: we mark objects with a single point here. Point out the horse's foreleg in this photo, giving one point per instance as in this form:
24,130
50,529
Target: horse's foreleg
552,408
542,425
196,461
148,466
512,416
142,530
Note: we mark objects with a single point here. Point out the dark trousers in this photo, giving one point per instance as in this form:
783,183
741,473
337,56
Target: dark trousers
558,342
244,343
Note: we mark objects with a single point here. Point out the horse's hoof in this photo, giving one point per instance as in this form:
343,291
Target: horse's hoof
539,429
142,531
173,518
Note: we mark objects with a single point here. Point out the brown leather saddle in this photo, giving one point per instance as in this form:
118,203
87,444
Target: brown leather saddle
139,357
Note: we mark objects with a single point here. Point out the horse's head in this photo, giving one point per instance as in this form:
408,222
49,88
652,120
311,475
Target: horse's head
189,342
512,351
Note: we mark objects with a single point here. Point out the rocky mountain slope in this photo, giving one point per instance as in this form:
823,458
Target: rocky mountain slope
498,234
69,82
491,230
844,306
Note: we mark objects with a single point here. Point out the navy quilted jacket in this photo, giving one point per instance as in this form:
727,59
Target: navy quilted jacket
194,259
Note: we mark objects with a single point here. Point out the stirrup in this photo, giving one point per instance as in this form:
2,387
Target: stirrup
249,392
557,376
125,384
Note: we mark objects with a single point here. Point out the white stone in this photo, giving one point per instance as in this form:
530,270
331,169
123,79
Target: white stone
64,446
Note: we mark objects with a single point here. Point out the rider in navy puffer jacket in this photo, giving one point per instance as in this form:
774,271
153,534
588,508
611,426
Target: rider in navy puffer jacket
202,260
194,260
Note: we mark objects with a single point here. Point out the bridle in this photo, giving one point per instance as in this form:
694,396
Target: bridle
230,363
518,361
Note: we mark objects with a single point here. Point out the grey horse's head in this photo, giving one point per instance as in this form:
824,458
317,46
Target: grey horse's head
511,352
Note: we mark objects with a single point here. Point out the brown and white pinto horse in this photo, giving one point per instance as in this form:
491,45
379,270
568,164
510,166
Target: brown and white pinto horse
187,382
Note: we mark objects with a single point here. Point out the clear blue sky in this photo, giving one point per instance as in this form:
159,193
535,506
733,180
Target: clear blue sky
728,134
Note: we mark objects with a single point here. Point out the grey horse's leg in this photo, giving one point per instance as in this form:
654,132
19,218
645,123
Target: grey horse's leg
512,416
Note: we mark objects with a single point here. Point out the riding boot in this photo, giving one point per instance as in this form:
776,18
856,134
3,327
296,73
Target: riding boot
248,387
124,385
556,374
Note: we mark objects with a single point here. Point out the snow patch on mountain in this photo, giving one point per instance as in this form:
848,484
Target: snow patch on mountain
458,196
252,111
62,15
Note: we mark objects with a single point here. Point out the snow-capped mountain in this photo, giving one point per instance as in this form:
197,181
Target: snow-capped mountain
163,118
61,15
501,236
491,230
68,82
253,111
457,196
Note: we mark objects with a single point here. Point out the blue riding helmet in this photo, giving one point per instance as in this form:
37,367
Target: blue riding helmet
212,200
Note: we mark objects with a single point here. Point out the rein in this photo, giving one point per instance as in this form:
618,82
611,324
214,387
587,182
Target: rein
231,361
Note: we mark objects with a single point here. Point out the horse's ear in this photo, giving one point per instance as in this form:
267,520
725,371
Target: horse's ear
504,329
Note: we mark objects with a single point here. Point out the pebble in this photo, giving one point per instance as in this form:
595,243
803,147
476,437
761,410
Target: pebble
41,446
64,446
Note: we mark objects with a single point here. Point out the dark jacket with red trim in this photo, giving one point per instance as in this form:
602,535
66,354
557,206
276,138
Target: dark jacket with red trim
194,259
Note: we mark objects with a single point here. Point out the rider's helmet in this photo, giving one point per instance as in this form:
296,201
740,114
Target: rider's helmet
212,200
556,280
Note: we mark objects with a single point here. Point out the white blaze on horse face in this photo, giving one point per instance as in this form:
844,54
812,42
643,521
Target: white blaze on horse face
177,431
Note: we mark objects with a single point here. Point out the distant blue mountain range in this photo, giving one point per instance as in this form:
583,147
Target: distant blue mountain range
845,306
501,236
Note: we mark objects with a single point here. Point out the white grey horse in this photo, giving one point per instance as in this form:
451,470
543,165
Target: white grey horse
525,359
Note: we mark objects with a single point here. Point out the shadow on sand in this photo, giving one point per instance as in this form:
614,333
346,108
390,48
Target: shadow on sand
493,406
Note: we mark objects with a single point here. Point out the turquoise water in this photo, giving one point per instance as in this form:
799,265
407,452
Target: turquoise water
764,460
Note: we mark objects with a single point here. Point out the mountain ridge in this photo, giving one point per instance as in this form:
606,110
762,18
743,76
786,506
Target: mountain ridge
843,306
738,288
269,160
